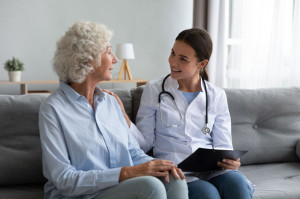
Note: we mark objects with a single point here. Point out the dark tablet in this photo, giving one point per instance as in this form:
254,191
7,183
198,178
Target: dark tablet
205,160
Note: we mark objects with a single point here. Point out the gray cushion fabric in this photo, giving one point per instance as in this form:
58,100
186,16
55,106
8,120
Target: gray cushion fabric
136,95
28,191
298,149
20,146
266,122
275,181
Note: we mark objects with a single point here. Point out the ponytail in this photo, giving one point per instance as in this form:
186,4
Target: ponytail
204,74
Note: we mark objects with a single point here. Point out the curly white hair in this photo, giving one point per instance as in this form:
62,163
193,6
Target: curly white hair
80,46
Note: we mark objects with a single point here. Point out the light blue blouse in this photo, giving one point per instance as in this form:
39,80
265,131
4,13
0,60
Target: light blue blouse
84,150
190,96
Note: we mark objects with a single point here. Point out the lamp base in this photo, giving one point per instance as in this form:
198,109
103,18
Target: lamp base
125,68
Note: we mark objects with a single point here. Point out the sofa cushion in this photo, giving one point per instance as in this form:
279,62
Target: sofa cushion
277,180
266,122
298,149
20,148
136,95
28,191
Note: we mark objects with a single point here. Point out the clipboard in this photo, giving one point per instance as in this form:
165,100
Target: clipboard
205,160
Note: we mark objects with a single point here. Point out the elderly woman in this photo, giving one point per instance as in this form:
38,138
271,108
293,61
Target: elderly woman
88,151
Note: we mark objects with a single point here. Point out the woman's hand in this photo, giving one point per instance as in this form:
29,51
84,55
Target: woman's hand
230,164
177,173
157,168
121,106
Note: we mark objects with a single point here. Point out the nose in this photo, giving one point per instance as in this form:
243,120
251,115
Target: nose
172,61
114,59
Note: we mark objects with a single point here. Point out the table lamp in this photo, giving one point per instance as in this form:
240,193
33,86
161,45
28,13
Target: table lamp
125,51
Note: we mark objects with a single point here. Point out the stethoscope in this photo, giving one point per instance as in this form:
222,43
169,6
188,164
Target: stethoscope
206,129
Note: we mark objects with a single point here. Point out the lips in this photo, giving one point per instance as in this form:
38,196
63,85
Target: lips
175,70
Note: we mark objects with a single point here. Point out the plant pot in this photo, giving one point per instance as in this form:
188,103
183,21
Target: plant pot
14,76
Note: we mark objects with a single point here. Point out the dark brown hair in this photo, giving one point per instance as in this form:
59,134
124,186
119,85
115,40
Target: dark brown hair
201,42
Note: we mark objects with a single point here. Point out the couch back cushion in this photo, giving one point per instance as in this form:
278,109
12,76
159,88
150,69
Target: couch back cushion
136,95
20,148
266,122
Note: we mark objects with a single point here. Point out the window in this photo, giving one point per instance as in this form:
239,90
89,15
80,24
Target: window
262,45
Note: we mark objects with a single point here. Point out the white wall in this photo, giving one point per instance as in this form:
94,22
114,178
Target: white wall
29,31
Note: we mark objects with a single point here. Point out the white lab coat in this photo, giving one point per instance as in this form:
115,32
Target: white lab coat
177,143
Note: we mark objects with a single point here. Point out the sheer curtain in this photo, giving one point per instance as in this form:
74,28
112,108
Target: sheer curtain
256,42
263,44
217,28
295,65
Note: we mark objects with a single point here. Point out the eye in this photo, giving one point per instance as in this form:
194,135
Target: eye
172,53
183,59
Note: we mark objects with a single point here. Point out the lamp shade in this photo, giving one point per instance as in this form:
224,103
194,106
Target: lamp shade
125,51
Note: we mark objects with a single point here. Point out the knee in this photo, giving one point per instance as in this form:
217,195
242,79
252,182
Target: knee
150,187
176,188
236,182
202,189
235,179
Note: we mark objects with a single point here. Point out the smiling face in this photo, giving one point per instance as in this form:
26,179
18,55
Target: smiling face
183,62
104,71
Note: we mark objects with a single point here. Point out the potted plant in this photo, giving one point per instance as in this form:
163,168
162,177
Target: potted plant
14,67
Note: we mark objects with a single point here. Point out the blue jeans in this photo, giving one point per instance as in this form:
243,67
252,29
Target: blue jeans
232,184
147,187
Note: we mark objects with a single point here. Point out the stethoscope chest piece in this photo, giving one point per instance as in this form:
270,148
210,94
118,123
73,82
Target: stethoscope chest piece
206,130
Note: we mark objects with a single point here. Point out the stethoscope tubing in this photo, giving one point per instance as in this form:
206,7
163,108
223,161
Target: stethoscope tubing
206,129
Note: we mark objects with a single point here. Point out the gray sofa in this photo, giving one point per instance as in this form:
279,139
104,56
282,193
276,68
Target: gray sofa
266,122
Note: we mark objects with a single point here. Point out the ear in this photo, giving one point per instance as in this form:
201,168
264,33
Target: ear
202,64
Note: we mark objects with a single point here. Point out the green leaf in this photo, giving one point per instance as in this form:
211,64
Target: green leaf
14,64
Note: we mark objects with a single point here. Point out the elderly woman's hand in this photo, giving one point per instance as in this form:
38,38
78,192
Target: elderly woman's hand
157,168
177,173
230,164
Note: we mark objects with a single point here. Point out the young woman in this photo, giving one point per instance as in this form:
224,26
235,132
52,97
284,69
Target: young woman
88,150
172,118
